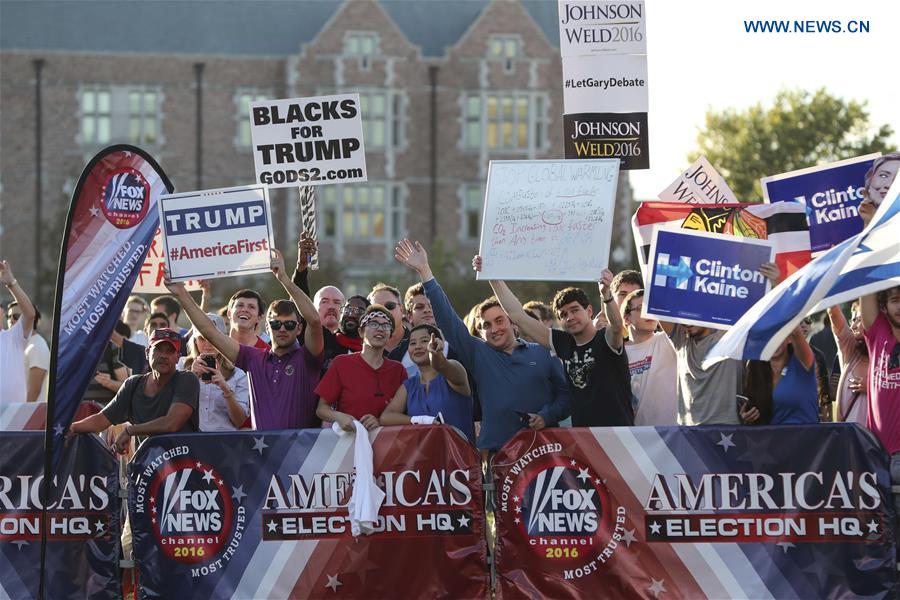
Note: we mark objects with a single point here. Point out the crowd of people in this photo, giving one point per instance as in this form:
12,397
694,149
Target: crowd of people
389,358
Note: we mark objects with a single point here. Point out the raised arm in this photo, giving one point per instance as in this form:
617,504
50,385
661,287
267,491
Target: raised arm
868,309
228,347
614,337
802,350
9,280
415,257
313,338
838,321
205,294
513,307
452,370
306,247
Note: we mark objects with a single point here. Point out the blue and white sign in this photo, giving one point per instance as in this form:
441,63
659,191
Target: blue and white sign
216,233
706,279
831,193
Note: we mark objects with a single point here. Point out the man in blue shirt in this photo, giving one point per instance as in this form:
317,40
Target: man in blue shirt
519,383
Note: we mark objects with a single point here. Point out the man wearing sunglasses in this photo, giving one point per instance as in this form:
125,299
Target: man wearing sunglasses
389,297
14,340
283,378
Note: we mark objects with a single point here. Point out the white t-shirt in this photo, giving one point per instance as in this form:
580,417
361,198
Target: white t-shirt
652,365
37,354
12,364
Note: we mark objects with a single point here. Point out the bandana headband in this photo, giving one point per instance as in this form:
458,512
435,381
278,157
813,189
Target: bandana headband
375,313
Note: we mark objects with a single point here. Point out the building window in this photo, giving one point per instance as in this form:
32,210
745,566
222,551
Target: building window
120,114
505,48
362,212
383,116
363,45
505,121
243,99
472,201
96,116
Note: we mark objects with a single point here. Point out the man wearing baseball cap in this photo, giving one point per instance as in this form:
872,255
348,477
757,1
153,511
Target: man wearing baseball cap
161,401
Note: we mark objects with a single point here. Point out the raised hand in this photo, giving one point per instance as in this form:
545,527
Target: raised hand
476,263
435,351
771,272
176,287
414,256
306,248
6,274
606,277
277,264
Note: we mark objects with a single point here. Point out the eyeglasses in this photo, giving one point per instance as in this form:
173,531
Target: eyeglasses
378,325
288,325
390,305
13,316
352,310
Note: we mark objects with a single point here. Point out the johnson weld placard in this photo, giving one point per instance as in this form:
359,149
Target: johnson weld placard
308,141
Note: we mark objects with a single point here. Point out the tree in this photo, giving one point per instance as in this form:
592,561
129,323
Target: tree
801,129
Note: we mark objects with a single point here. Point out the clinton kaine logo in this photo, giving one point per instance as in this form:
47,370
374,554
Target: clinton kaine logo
126,197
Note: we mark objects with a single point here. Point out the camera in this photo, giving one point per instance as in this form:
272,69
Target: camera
210,361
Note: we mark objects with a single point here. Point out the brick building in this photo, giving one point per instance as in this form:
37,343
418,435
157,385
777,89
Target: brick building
445,87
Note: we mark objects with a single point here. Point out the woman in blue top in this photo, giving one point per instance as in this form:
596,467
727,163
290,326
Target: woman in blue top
441,386
785,386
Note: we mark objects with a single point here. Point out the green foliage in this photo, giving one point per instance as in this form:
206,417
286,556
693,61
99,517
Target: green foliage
800,129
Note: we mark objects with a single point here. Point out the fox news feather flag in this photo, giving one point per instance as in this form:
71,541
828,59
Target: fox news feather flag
864,264
109,228
782,223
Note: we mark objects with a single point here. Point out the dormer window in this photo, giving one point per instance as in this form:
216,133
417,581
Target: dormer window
363,45
505,48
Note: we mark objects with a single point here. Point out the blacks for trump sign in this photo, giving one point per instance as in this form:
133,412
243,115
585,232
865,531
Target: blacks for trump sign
308,141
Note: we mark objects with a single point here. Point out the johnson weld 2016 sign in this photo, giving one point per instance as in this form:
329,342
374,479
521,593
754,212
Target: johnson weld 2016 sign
308,141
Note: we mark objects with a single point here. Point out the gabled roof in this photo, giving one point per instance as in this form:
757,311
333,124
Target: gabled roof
226,27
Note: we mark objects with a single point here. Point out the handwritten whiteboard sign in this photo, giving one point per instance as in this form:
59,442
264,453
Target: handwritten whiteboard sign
548,220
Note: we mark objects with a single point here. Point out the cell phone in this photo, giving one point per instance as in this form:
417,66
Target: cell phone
210,361
742,401
523,416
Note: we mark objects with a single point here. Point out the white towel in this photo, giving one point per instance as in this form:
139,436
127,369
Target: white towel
367,497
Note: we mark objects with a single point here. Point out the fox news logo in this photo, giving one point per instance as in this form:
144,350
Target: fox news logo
562,504
125,198
190,510
673,272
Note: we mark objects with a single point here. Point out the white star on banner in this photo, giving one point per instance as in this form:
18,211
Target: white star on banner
655,527
599,482
95,212
199,465
259,444
518,509
517,520
573,463
237,492
583,474
273,526
464,521
59,430
873,526
629,537
333,583
785,546
657,587
515,498
98,525
726,442
208,476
